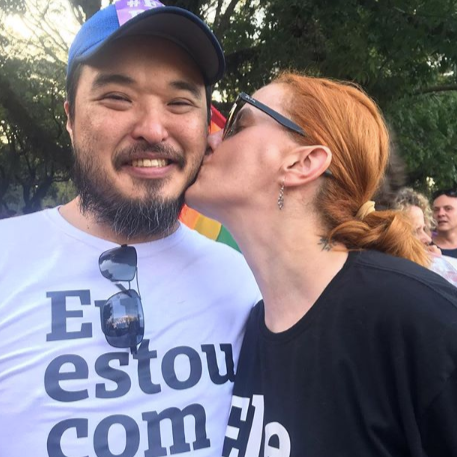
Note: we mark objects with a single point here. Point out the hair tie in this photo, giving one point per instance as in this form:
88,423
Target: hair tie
365,209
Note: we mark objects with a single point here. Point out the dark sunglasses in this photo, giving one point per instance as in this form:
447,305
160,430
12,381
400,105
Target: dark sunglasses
447,192
122,317
242,99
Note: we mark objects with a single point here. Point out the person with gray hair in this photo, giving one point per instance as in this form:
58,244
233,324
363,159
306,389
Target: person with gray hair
417,208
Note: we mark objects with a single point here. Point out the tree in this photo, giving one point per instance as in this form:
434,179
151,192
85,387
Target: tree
34,150
426,128
402,52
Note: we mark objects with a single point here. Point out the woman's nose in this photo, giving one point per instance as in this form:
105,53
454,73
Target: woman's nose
425,238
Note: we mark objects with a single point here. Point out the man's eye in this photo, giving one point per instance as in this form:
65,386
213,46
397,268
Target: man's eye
181,103
116,97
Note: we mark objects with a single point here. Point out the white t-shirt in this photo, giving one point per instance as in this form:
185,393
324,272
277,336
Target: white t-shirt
445,267
451,260
64,391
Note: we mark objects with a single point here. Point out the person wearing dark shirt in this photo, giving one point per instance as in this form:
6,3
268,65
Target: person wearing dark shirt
353,350
449,252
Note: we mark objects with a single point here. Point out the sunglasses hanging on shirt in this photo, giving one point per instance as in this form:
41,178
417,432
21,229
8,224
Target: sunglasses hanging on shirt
122,317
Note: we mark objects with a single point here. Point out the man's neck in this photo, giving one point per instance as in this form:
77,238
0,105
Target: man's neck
88,223
446,240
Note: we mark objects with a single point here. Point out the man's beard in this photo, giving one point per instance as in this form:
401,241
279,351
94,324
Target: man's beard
130,218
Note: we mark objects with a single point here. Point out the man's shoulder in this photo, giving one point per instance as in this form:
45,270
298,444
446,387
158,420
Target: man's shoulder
24,237
217,260
29,222
209,247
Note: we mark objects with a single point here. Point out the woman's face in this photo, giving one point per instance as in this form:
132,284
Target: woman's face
416,216
243,170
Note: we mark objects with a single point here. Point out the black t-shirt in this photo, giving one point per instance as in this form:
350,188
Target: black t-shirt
449,252
369,371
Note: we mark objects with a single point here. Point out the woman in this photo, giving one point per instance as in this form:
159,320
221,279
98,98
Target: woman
353,350
417,209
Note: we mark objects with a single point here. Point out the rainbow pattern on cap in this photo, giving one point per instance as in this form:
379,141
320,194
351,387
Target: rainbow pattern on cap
128,9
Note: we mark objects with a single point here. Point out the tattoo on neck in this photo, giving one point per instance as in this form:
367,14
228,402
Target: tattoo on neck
326,244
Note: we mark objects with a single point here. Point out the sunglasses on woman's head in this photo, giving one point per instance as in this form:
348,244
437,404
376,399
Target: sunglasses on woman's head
122,317
245,98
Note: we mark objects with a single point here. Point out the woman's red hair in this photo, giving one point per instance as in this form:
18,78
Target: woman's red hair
342,117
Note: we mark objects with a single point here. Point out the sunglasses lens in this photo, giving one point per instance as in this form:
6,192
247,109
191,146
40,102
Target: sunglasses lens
123,320
232,116
119,264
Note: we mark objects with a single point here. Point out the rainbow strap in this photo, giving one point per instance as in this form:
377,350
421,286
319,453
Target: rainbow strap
202,224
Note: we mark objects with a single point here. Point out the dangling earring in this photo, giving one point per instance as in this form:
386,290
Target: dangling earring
281,196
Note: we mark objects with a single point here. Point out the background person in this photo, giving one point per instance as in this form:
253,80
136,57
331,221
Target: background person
417,208
353,350
138,99
445,213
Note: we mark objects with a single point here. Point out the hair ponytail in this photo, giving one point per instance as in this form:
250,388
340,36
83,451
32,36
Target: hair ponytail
343,118
386,231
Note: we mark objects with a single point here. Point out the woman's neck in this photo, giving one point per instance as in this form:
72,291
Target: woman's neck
292,266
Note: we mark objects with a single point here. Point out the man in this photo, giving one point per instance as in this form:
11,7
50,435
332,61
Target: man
87,367
445,213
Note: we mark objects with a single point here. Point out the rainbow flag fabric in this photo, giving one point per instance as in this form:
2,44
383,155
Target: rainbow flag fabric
193,219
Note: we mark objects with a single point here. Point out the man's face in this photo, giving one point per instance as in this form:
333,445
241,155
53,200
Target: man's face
445,213
139,133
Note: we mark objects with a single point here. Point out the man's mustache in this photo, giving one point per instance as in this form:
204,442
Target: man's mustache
138,151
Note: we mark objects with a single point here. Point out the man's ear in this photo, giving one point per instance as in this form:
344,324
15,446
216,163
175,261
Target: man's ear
68,125
305,164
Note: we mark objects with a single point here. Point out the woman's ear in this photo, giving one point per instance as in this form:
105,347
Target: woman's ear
305,164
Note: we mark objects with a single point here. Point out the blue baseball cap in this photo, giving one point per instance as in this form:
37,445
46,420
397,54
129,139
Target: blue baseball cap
150,17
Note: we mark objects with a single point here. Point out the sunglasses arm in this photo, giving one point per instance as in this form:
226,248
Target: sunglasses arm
121,287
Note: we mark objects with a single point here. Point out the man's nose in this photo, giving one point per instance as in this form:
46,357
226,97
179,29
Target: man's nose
150,127
214,140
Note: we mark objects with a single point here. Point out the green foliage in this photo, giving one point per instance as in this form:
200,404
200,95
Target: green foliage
426,130
395,49
34,149
402,52
389,47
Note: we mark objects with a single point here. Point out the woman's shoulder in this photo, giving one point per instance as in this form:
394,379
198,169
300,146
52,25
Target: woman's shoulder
399,286
385,270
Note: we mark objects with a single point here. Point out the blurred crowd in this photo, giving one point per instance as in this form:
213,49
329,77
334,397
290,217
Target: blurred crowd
435,225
